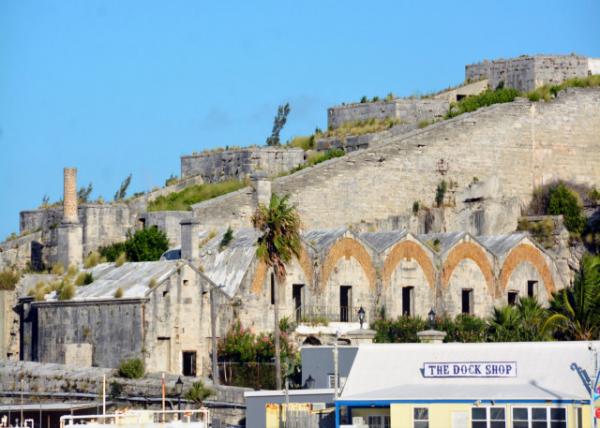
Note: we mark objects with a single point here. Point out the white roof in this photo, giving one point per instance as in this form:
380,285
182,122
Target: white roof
544,371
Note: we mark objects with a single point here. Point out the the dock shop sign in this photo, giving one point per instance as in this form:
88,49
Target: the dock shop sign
471,369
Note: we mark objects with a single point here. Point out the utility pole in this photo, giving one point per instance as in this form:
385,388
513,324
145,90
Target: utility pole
335,366
593,384
213,333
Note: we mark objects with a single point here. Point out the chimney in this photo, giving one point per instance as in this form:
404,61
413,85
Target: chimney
70,232
190,240
262,189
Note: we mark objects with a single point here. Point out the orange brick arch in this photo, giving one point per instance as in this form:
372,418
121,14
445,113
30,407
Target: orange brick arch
408,250
472,251
349,248
262,269
525,253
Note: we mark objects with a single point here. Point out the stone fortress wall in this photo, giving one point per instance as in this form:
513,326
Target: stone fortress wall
238,164
519,145
526,73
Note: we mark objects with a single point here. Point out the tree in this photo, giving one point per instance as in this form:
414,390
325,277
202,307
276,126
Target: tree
576,310
122,192
146,245
278,124
83,194
279,225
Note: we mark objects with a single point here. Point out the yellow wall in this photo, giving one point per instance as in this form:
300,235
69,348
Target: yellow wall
441,415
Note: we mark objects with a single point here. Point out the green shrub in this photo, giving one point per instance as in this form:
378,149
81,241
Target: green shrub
8,279
542,231
242,346
440,193
364,99
67,291
416,207
548,92
171,180
198,392
486,98
84,278
402,330
146,245
563,201
424,123
57,269
361,127
303,142
132,368
112,252
92,259
184,199
118,293
226,239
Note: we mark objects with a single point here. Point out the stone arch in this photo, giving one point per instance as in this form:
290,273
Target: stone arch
472,251
347,248
408,250
523,253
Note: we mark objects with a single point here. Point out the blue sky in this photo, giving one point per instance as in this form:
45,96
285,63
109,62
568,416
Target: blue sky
114,87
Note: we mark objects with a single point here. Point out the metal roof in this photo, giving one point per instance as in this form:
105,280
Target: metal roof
500,245
447,239
544,371
380,241
321,240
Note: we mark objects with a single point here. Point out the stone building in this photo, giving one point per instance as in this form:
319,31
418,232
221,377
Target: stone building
526,72
155,311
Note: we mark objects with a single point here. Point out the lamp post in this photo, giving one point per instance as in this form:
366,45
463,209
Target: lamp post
431,319
178,391
361,316
310,382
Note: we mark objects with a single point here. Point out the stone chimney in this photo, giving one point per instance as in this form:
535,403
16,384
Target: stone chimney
262,189
190,240
70,232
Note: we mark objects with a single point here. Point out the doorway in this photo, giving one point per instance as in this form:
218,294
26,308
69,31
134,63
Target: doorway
189,363
297,291
345,302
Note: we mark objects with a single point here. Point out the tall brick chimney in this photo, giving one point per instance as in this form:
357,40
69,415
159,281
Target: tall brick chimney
70,232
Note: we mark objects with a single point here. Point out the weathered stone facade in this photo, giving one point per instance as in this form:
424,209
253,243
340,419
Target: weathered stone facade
526,73
239,164
407,110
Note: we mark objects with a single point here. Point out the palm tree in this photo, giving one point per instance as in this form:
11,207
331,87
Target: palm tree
503,324
576,309
520,323
279,225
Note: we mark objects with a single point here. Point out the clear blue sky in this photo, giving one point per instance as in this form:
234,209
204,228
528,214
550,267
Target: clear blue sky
114,87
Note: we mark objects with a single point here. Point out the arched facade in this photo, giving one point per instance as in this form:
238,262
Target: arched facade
512,270
408,279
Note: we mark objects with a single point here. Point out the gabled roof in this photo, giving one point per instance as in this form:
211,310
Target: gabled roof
396,371
321,240
381,241
500,245
447,239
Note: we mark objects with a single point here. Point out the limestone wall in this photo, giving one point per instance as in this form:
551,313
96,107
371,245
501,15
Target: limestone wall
352,143
240,163
7,322
520,144
593,65
409,111
168,222
525,73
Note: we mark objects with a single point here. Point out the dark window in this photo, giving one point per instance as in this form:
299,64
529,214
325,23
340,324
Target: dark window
467,301
345,302
488,417
185,282
421,417
297,291
531,288
272,289
513,297
407,301
189,363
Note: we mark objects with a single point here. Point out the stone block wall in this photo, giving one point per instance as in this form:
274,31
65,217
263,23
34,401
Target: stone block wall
7,321
352,143
409,111
240,163
526,73
522,144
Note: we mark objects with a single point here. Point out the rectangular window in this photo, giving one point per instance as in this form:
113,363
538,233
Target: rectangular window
513,297
189,363
467,301
331,380
488,417
539,417
407,301
420,417
531,288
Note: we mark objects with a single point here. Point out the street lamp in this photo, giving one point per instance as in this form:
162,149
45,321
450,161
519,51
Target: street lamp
310,382
361,316
431,318
178,391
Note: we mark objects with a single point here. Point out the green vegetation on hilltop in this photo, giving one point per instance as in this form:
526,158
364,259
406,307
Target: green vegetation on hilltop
548,92
316,158
486,98
184,199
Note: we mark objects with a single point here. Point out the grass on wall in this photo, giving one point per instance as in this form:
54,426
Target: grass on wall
360,127
548,92
183,200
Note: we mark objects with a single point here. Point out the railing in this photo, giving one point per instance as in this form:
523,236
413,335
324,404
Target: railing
135,418
312,314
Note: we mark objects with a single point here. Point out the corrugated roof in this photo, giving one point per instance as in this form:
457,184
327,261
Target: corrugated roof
132,277
395,371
